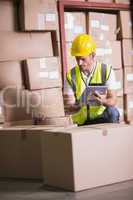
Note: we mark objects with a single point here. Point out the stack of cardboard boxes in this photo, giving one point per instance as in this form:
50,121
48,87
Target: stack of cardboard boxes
102,27
29,52
126,36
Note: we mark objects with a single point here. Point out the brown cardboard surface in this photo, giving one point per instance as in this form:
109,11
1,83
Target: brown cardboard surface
122,1
125,25
47,103
119,81
102,26
101,1
42,73
20,154
7,12
128,107
74,25
16,105
109,52
128,80
19,46
120,107
82,158
71,61
38,15
127,47
58,121
10,74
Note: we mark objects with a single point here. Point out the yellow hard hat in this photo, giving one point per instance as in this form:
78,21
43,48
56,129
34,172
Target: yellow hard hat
83,45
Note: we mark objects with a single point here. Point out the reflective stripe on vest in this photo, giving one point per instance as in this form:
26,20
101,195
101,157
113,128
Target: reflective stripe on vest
75,79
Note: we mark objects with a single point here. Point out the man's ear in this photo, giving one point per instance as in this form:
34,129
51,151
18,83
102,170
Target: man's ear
93,54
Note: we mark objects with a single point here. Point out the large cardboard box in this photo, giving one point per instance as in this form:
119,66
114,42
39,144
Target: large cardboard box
8,13
19,46
20,153
74,24
109,52
127,47
42,73
102,26
23,106
81,158
16,104
7,72
38,15
125,25
128,98
47,103
128,80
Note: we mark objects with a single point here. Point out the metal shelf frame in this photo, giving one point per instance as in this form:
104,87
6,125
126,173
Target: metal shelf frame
65,5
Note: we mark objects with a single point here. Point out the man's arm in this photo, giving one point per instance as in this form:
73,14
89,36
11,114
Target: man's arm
109,99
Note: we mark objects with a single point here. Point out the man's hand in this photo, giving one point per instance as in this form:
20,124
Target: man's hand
100,98
108,99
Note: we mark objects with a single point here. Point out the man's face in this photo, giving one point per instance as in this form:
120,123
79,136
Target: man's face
85,62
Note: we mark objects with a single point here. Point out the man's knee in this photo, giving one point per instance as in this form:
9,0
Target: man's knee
113,114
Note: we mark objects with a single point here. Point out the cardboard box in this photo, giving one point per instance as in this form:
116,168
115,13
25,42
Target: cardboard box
20,153
128,98
102,26
38,15
19,46
16,104
120,107
81,158
8,71
71,61
128,80
119,82
57,121
7,11
22,106
109,52
125,25
127,47
42,73
47,103
74,25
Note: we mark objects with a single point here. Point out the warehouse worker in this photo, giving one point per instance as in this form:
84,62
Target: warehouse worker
89,72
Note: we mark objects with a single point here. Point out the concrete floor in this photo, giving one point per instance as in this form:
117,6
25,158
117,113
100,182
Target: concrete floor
34,190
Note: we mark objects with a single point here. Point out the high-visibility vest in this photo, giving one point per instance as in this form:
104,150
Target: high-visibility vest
99,77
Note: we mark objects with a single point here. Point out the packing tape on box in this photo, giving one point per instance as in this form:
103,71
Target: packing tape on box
43,74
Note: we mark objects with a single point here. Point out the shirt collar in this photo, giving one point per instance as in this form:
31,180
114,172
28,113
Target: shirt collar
92,70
